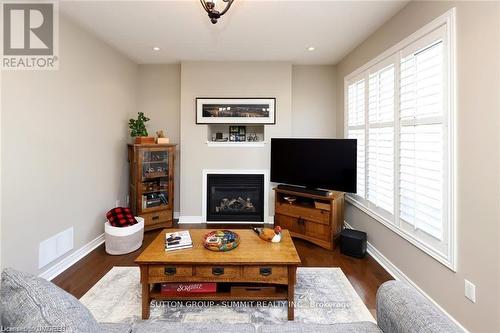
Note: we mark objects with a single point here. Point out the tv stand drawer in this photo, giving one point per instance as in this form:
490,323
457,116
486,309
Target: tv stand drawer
313,214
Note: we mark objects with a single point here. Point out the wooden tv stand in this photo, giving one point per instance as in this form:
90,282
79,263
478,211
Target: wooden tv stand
317,219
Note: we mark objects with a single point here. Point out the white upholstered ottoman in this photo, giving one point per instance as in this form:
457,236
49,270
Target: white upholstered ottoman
125,239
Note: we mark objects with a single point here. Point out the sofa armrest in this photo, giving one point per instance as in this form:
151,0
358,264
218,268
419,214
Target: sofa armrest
401,308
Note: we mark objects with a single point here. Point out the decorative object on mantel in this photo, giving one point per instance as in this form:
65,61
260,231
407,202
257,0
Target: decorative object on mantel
237,133
138,129
221,240
161,139
235,110
253,138
213,13
268,234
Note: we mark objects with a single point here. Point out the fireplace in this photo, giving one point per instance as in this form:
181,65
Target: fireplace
235,197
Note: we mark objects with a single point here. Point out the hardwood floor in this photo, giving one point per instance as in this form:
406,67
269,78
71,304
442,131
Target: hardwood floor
366,275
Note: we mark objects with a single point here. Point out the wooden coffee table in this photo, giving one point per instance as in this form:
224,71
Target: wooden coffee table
244,273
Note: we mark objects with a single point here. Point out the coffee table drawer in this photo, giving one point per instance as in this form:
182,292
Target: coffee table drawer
270,273
170,271
222,272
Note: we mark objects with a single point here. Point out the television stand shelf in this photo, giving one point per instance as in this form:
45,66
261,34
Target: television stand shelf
318,219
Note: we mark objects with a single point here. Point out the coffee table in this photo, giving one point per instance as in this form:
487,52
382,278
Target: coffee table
255,271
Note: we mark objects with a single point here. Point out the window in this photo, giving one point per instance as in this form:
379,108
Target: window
400,109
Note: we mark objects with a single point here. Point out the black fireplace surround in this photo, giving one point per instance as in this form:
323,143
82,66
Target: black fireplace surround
235,197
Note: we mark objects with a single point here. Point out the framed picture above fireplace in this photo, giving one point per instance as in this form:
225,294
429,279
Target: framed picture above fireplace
235,110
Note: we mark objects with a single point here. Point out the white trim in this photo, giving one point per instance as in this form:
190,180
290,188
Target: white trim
446,253
246,144
400,232
177,215
71,259
190,219
397,274
446,18
205,172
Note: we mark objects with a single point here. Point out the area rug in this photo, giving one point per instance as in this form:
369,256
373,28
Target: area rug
322,296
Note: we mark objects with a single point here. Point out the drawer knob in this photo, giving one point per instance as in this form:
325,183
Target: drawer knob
217,271
266,271
170,270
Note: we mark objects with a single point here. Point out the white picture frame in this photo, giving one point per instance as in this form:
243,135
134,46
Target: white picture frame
248,110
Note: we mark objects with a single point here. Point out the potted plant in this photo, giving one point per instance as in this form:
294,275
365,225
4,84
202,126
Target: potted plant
138,129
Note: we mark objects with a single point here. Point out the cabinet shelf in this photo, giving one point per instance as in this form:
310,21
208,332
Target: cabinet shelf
155,162
155,191
281,293
243,144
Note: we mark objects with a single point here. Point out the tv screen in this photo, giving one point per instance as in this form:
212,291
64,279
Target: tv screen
315,163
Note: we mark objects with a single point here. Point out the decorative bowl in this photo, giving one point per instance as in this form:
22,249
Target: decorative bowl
221,240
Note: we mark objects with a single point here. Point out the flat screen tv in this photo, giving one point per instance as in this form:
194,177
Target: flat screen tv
315,163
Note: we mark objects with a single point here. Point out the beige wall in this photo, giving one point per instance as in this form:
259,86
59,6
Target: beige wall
313,101
478,187
64,135
214,79
159,97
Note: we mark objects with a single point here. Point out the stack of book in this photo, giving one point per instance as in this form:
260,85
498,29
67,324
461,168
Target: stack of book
178,240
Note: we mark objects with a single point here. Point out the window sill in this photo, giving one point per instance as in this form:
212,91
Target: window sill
449,263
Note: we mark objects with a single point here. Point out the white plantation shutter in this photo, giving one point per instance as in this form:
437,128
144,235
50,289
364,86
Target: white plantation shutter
356,130
400,109
381,168
381,138
422,139
359,134
422,83
356,97
421,178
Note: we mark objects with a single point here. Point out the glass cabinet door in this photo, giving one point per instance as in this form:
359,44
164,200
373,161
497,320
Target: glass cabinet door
154,169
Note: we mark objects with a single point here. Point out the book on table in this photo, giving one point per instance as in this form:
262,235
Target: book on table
178,240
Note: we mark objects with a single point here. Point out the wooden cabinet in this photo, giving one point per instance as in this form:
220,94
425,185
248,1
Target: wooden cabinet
318,219
151,185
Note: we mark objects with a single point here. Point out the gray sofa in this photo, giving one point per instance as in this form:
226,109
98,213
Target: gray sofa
29,302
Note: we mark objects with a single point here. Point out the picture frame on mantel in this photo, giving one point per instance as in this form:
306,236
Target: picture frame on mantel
248,110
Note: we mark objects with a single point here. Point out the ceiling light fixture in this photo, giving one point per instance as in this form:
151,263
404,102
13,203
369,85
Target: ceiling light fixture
213,13
156,48
311,48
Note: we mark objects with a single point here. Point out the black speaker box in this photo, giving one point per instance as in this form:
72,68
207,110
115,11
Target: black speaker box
353,243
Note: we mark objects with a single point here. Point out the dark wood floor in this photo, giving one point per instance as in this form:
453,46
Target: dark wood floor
366,275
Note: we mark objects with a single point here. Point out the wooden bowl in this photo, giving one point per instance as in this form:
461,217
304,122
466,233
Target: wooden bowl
221,240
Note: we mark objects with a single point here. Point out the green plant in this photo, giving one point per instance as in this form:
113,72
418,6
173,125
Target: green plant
138,126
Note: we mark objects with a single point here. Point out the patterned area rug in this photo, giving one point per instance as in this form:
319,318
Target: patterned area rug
322,296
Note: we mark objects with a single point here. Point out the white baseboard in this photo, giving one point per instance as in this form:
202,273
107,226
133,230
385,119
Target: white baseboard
397,274
71,259
190,219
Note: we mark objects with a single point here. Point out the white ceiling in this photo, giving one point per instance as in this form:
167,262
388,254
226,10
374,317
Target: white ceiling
252,30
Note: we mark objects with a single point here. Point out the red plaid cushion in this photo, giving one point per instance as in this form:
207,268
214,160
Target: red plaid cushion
121,217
